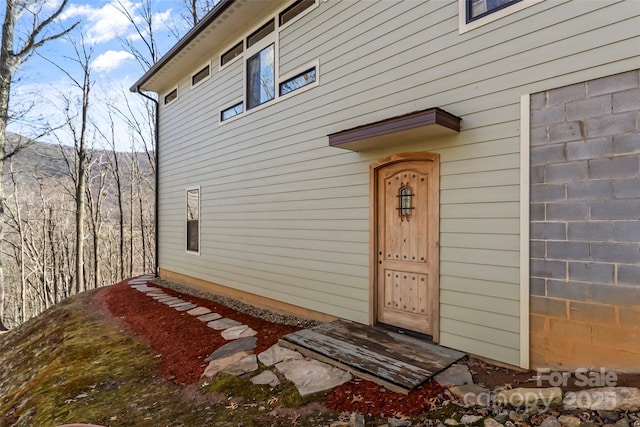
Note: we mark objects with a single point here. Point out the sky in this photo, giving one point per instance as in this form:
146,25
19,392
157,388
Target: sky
42,85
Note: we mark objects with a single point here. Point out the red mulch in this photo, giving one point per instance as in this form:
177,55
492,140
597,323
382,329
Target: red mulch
370,398
181,340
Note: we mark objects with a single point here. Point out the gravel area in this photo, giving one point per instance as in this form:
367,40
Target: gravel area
260,313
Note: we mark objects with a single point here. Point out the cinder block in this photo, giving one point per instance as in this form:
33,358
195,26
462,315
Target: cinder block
536,286
628,188
593,313
627,231
590,149
568,250
591,231
548,269
625,253
568,211
629,317
601,189
614,83
536,212
566,94
570,171
591,272
629,100
547,115
537,248
629,275
616,209
538,136
620,295
614,168
538,100
611,125
551,307
569,290
537,174
567,330
546,154
548,192
617,338
626,144
548,231
590,107
563,132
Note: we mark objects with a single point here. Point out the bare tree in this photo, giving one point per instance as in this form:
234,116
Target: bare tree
196,9
11,57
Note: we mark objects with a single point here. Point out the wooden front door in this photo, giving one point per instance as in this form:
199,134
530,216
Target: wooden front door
407,238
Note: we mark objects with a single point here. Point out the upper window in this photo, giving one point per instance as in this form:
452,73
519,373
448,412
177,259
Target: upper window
193,220
298,81
200,75
261,77
478,8
295,9
232,53
475,13
171,96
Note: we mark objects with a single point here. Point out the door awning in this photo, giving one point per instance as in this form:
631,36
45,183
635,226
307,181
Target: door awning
411,127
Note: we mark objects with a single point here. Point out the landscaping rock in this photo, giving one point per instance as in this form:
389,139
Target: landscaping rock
622,423
223,323
237,346
175,302
454,375
490,422
569,420
247,364
604,398
209,317
311,376
276,354
550,422
199,311
398,422
356,420
266,377
470,419
218,365
472,394
546,397
233,332
608,415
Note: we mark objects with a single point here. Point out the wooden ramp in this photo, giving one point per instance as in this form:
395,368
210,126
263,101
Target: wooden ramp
396,361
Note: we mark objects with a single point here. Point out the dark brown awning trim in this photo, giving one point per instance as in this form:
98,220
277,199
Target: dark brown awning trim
421,124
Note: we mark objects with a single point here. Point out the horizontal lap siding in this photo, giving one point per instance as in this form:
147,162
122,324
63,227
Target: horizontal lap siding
286,216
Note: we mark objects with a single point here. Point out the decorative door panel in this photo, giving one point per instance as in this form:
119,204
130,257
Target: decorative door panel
407,217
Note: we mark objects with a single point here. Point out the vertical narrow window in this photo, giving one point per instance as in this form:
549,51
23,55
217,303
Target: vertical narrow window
171,96
193,220
405,207
261,77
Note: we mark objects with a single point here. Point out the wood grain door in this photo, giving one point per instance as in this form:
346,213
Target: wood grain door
407,228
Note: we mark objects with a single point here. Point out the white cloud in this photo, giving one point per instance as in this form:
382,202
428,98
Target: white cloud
110,60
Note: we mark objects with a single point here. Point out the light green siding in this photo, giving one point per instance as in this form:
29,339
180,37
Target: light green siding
285,216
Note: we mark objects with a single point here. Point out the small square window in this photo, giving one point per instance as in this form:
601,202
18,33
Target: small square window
200,76
296,82
476,9
295,9
232,53
232,111
171,96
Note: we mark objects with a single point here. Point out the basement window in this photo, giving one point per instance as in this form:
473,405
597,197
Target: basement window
171,96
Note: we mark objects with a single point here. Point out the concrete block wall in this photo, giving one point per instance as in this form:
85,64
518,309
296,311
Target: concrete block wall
585,225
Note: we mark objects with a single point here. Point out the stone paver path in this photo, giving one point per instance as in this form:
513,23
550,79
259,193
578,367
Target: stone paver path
238,358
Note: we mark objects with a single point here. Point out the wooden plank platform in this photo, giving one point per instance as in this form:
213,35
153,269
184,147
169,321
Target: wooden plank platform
396,361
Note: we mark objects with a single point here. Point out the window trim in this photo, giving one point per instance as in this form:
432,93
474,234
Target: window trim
186,220
464,26
234,60
205,65
295,18
166,103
